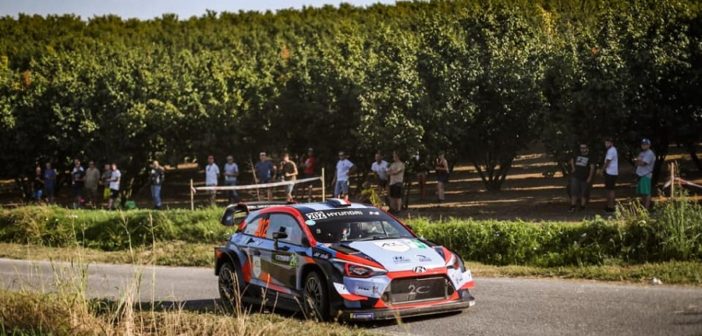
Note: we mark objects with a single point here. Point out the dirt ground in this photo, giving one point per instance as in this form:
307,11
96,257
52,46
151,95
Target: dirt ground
529,192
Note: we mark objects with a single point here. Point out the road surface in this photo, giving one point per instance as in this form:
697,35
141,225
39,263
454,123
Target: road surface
504,306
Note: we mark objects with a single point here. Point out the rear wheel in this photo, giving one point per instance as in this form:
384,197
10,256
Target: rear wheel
315,298
230,286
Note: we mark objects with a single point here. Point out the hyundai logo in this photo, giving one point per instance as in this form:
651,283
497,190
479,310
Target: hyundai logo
420,269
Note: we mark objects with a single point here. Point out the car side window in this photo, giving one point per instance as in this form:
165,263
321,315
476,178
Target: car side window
285,223
255,225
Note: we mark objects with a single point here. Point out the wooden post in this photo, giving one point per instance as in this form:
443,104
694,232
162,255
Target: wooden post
324,189
672,180
192,195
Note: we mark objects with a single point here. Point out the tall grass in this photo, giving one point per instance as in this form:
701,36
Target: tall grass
67,310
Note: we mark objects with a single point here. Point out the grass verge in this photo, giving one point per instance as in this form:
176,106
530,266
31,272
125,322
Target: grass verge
187,254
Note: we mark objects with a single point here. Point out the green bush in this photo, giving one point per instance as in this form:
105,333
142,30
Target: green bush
672,232
108,230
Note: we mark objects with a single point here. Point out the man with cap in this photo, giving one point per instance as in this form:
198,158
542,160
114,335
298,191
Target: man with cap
644,170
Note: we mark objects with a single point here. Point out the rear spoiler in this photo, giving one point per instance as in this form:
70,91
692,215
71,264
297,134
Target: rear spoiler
241,210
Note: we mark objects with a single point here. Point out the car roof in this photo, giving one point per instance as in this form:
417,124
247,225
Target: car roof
305,208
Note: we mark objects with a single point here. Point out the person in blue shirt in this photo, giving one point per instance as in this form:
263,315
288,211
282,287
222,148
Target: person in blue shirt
265,171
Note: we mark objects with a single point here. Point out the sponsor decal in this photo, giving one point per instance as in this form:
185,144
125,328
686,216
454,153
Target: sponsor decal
321,254
420,269
282,257
317,215
423,258
310,222
377,213
343,213
362,316
256,266
293,261
395,246
400,260
417,244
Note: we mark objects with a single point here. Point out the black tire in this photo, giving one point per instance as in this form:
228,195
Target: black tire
231,288
315,297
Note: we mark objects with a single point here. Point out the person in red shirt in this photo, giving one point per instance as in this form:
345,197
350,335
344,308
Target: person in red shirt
309,169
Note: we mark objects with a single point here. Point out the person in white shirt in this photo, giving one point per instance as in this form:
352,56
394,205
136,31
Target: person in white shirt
341,177
380,169
611,171
211,177
644,171
115,178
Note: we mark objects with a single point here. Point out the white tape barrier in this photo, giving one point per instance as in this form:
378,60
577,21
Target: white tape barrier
259,186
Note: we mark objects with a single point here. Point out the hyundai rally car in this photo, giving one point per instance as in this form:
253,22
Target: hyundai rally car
337,260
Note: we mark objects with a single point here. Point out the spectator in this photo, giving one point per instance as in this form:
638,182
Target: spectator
341,177
644,171
156,177
92,180
581,171
115,178
379,167
611,171
442,176
212,178
397,176
231,173
309,168
289,169
265,171
105,181
38,184
77,178
422,166
49,182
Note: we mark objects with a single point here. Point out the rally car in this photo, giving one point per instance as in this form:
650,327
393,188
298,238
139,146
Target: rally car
337,259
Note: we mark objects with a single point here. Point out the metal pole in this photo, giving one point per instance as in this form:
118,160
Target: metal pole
192,195
324,189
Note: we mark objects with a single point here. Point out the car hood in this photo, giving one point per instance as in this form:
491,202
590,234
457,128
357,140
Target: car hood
400,254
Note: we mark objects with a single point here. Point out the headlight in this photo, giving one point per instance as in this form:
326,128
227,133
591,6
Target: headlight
455,262
356,270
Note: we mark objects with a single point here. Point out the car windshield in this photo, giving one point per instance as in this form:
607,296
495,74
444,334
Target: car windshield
357,228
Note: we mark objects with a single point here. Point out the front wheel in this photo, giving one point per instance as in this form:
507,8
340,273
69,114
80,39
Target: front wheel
315,298
230,286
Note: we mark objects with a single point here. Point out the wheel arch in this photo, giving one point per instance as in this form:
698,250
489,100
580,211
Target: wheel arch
227,256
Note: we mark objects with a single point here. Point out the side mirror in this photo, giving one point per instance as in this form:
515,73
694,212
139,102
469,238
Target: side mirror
276,236
279,235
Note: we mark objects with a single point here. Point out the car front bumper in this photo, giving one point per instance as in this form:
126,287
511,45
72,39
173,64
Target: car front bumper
466,301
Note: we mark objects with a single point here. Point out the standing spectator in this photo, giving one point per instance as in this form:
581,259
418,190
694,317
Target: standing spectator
309,168
611,171
77,178
49,182
38,184
442,176
644,171
581,171
397,177
422,166
212,178
265,170
231,173
289,169
341,177
105,182
115,178
156,177
380,169
92,180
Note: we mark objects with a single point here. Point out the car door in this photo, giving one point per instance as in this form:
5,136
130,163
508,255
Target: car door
288,254
252,243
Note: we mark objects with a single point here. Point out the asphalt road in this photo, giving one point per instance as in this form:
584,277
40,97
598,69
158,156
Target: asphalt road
504,306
